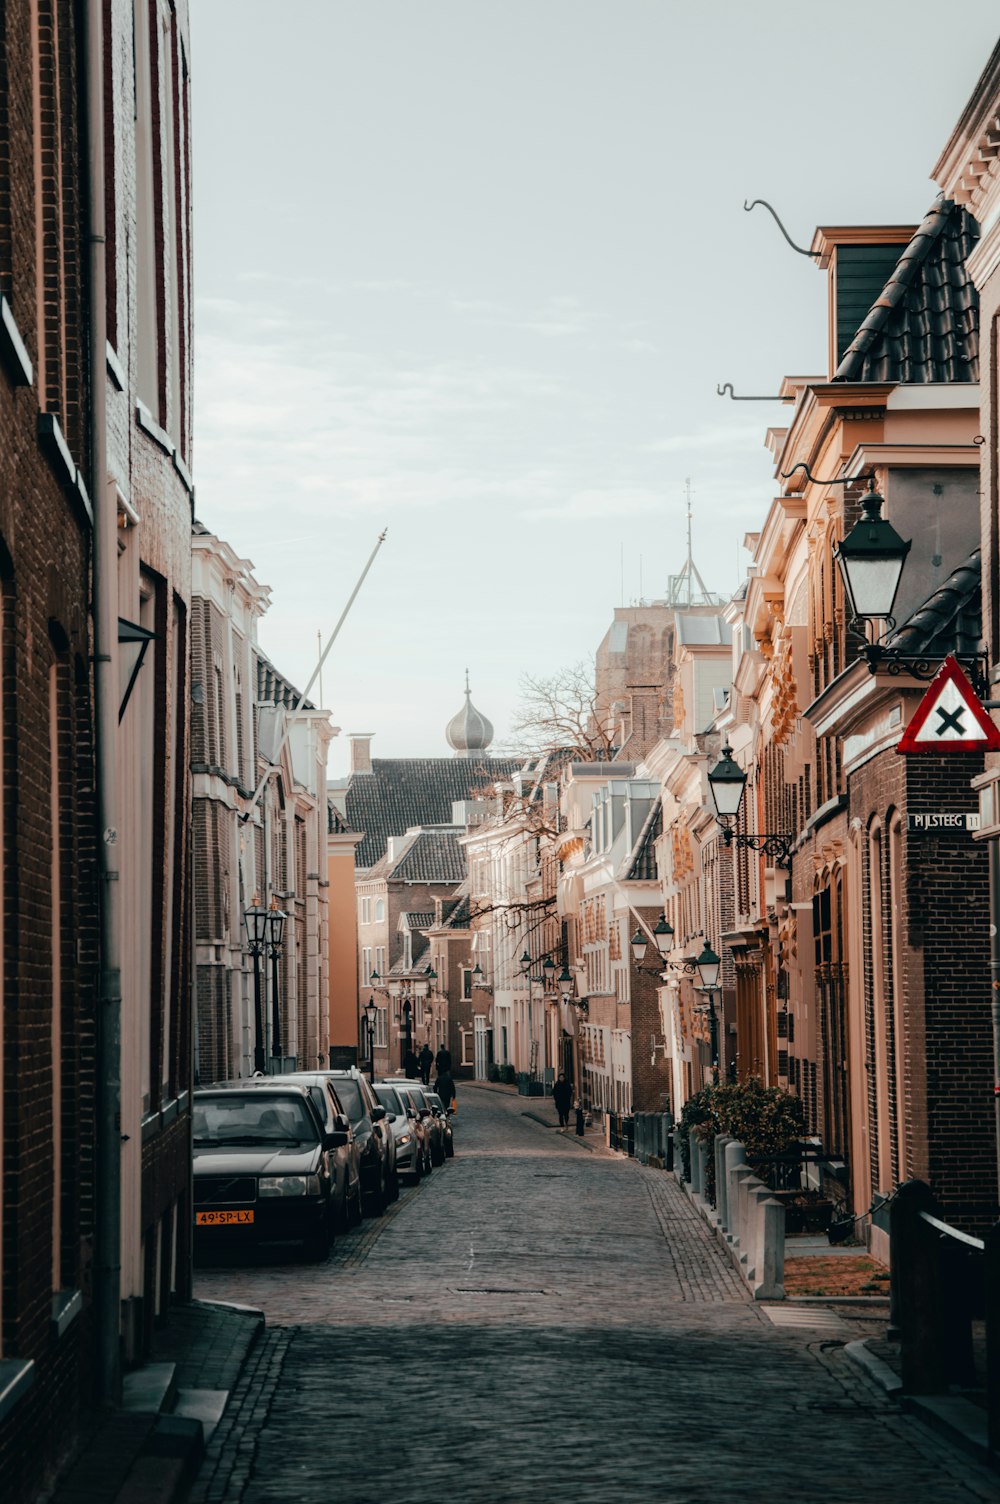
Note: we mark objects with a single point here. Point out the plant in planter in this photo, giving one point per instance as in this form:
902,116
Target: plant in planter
765,1119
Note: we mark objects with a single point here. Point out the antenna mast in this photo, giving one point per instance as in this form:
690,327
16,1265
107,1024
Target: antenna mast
690,557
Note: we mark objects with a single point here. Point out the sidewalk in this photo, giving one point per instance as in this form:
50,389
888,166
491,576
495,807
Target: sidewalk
148,1452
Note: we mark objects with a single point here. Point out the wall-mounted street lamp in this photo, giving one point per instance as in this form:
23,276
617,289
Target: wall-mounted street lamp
663,935
564,981
727,781
133,641
871,560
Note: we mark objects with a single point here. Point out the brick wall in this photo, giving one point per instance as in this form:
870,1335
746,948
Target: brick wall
49,930
938,973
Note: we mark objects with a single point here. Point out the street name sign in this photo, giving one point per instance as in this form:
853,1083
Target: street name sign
943,821
950,718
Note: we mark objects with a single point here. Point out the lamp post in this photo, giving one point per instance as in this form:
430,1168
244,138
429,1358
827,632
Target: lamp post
276,924
371,1013
255,922
709,966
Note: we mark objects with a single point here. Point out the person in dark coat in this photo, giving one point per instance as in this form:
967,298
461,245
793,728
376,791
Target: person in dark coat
442,1061
562,1096
445,1087
411,1066
426,1060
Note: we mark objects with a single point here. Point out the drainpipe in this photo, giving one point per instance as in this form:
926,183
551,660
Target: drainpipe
107,1280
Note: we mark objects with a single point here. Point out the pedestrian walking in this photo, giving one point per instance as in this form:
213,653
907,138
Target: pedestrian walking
411,1066
442,1061
562,1096
445,1088
426,1060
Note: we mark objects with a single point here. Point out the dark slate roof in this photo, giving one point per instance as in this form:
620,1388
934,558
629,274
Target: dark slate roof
641,867
401,792
924,325
434,857
417,920
950,620
274,689
336,825
461,915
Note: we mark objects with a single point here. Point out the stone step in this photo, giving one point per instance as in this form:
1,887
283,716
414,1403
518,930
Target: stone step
151,1389
205,1405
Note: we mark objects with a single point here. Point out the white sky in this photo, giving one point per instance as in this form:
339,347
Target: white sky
472,270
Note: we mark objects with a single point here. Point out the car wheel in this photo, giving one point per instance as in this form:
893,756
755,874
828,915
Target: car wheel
317,1247
418,1169
449,1148
394,1186
375,1205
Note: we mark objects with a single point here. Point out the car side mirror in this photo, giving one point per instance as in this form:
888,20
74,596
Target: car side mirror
378,1113
390,1117
335,1140
341,1124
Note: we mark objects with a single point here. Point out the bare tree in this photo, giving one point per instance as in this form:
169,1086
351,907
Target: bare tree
559,714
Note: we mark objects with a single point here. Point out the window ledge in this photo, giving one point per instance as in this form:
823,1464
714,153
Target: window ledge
12,347
16,1378
114,366
66,1307
148,424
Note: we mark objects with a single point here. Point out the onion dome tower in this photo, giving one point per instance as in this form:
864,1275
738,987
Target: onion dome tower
469,733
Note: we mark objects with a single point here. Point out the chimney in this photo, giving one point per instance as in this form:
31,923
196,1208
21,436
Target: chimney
361,751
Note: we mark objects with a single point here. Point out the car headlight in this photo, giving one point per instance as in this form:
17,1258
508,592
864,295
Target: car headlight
288,1185
403,1140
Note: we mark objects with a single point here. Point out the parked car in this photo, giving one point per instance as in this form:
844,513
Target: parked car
443,1115
432,1128
262,1167
346,1190
407,1131
415,1113
379,1181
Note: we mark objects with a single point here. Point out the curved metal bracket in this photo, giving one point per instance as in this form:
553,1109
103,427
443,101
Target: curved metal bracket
727,386
814,255
768,843
837,480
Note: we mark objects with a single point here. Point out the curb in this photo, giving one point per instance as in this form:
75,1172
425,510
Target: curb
955,1418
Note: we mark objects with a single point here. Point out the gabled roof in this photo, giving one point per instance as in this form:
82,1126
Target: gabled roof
949,620
641,865
401,792
433,857
274,689
924,326
416,920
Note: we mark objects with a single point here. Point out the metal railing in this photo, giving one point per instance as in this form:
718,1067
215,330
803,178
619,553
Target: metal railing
943,1280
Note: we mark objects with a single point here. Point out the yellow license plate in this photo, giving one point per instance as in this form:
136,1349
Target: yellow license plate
221,1219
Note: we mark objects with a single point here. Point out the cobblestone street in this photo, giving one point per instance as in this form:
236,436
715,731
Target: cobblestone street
542,1321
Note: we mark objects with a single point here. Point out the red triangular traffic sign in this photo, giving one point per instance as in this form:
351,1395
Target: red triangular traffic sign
950,718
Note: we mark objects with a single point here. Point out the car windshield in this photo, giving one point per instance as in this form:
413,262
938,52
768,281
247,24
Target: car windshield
419,1100
252,1119
349,1093
387,1096
433,1100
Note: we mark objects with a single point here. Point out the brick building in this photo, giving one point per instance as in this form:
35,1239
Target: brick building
48,824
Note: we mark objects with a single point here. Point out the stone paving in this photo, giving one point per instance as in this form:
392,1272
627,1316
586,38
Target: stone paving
539,1322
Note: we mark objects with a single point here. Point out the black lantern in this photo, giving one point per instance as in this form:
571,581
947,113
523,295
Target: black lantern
371,1013
727,781
638,943
256,922
477,974
663,934
525,962
548,971
564,982
871,560
709,965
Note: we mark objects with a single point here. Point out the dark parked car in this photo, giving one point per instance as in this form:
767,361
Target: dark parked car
379,1181
346,1189
262,1167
